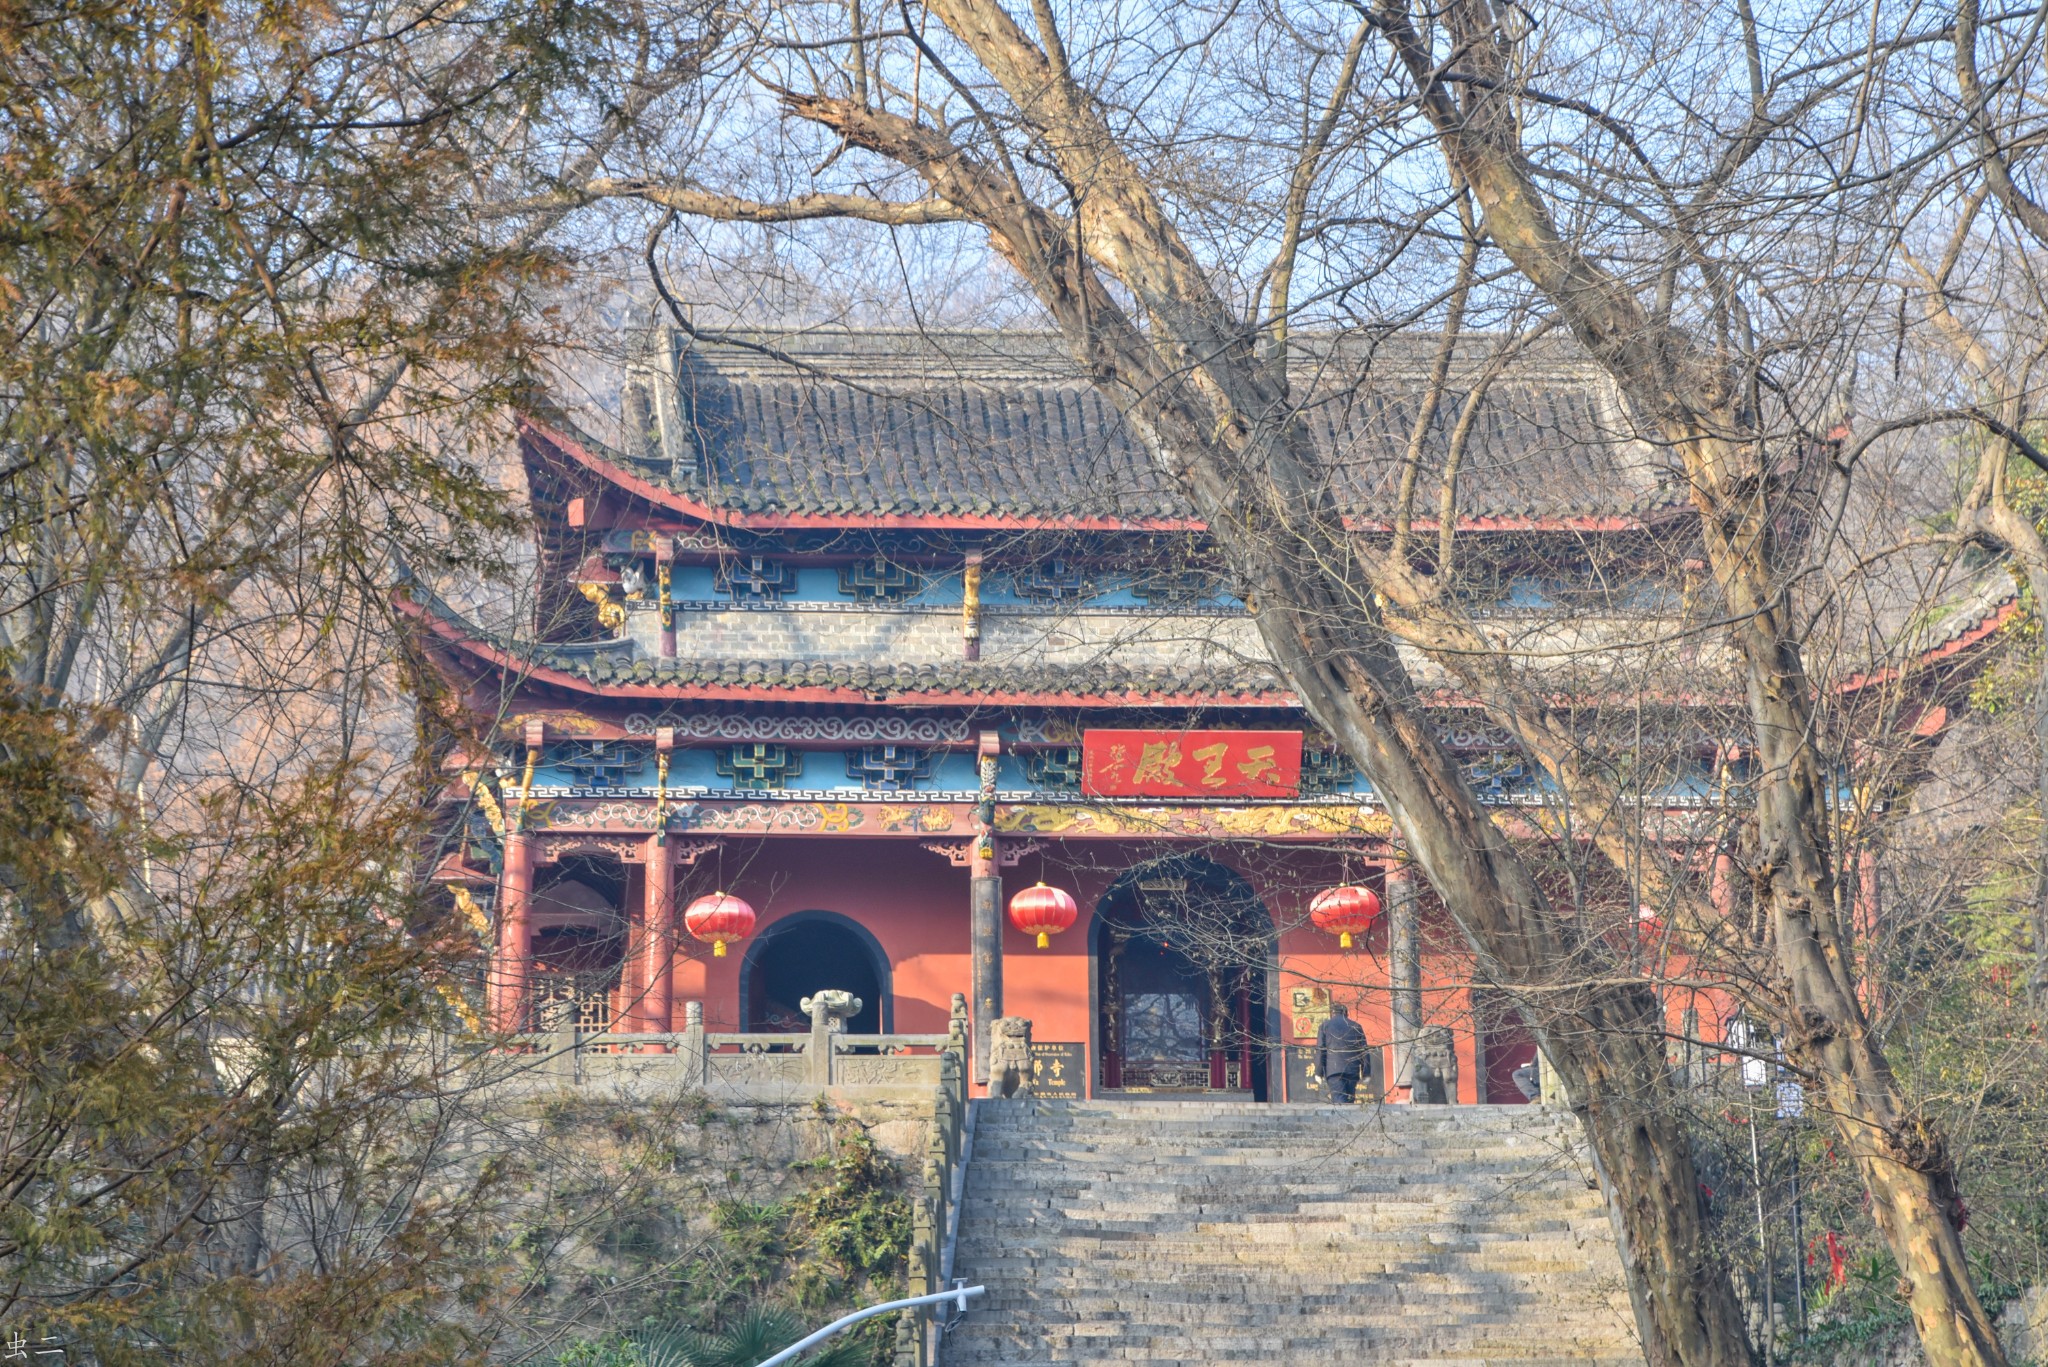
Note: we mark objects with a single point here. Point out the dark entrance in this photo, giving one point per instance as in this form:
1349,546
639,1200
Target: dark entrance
809,952
1182,951
579,944
1504,1045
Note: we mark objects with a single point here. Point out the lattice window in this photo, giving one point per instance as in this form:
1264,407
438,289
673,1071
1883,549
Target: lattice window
1325,771
1054,581
1057,769
1178,589
603,763
879,580
889,768
754,579
760,765
573,1001
1499,775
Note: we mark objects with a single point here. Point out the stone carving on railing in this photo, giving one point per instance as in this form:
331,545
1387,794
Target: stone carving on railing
736,1070
829,1011
934,1208
881,1071
733,1064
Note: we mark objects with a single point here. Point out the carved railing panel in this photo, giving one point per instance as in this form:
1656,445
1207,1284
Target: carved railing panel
885,1070
733,1062
738,1070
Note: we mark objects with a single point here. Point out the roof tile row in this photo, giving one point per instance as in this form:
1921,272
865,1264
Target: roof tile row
891,680
992,423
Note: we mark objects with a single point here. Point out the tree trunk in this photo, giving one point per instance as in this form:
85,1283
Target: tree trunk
1218,418
1601,1028
1696,405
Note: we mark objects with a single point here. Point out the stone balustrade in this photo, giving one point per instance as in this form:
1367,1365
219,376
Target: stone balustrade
750,1066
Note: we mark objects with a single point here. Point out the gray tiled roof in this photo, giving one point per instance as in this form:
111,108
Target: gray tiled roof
1003,423
899,680
611,664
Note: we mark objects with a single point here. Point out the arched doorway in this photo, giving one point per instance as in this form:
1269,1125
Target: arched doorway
579,943
807,952
1183,955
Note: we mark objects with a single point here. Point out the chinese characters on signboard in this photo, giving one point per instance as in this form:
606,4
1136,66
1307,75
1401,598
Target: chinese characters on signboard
1058,1071
1305,1084
1191,763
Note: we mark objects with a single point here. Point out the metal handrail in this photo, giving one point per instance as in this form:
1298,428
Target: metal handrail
956,1194
958,1293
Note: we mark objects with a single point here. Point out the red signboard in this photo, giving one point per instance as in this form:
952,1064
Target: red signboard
1191,763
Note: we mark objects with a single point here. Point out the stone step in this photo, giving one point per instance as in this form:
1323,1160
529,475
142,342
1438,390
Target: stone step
1201,1232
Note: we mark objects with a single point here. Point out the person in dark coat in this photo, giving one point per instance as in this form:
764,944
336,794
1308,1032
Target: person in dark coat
1340,1054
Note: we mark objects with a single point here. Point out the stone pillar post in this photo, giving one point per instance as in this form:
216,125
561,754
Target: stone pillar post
985,901
828,1011
1404,954
696,1064
513,962
985,906
659,915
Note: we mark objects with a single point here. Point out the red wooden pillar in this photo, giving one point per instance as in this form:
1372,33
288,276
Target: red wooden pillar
1866,907
1721,884
512,966
658,919
629,1008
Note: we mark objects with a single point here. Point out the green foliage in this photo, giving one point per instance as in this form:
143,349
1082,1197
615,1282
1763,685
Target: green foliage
756,1334
773,1270
759,1333
617,1351
856,1225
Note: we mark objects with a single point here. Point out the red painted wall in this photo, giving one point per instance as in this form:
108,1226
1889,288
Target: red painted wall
916,904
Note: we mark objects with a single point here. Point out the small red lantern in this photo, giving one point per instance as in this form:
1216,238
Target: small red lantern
718,918
1345,912
1044,912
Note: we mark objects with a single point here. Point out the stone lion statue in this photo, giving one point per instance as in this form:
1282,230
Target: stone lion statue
1434,1073
1009,1056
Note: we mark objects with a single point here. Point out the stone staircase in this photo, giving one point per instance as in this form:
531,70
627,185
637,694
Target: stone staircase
1199,1232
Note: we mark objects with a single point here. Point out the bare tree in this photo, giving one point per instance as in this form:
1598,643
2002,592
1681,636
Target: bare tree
1034,160
1700,376
1997,231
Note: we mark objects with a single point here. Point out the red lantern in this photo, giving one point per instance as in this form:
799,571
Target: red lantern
1042,911
718,918
1345,912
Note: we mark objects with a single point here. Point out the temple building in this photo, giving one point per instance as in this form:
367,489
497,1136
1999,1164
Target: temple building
872,632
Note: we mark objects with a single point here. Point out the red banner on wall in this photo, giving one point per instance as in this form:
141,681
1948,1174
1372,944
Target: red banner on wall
1191,763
